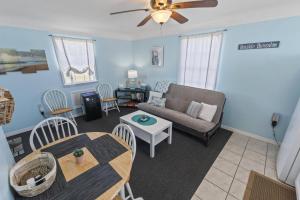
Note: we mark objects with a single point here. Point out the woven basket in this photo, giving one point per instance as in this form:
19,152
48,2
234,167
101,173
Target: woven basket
27,164
7,105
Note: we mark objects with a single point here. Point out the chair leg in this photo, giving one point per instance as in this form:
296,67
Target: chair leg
122,193
129,190
73,118
116,103
106,109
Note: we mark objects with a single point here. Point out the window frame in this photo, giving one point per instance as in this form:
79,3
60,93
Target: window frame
60,69
220,54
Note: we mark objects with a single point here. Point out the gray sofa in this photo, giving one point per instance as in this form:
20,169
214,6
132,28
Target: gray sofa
178,98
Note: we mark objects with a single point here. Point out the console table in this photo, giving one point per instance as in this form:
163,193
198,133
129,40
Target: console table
129,97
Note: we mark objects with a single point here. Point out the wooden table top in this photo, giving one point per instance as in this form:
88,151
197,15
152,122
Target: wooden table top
119,162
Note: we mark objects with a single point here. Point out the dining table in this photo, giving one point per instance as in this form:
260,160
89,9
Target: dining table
105,170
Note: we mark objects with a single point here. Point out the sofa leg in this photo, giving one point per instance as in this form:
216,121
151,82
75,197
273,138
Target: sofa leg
206,141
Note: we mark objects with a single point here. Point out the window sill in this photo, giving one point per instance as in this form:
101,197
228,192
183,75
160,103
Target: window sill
80,83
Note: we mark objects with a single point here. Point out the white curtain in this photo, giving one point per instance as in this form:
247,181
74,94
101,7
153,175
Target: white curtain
200,59
76,57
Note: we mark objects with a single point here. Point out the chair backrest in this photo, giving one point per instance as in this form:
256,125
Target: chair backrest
162,86
124,132
105,91
50,130
55,99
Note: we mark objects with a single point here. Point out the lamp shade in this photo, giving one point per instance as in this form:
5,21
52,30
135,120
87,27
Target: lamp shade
161,16
132,74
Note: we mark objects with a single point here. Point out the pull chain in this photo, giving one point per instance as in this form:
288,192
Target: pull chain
161,31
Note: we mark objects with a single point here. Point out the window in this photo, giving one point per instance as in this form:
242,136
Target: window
76,59
200,59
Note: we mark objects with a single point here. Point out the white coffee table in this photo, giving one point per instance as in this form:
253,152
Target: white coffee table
152,134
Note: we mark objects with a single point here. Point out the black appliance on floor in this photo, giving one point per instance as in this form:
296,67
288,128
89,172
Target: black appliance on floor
91,105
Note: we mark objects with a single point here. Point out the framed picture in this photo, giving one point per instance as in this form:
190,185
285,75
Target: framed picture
157,56
30,61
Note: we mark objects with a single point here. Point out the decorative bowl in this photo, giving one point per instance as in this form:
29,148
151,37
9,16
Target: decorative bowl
144,118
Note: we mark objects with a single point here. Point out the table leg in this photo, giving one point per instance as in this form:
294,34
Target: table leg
152,147
170,135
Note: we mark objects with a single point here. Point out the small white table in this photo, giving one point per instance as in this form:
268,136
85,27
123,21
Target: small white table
152,134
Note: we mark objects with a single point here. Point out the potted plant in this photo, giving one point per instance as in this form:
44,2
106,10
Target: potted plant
78,154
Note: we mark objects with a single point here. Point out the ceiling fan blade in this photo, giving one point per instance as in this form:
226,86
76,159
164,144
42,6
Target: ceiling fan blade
127,11
144,21
195,4
179,18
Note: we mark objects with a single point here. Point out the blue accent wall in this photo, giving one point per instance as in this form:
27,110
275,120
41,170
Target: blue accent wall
142,59
256,82
112,58
260,82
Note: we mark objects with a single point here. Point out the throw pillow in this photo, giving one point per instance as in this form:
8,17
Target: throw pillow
154,94
157,101
194,109
207,112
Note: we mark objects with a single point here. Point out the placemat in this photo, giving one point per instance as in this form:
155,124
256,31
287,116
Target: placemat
68,146
105,148
149,122
92,183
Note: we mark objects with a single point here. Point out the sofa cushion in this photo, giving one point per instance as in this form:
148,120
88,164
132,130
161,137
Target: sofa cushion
157,101
153,94
207,112
186,94
178,117
194,109
178,104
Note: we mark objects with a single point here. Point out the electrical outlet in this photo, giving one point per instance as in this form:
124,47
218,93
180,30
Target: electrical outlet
42,110
275,119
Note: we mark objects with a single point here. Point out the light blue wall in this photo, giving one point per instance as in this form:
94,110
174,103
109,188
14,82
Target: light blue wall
6,162
112,57
142,59
256,82
260,82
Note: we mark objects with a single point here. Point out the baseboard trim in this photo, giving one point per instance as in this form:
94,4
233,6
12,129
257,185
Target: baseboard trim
249,134
16,132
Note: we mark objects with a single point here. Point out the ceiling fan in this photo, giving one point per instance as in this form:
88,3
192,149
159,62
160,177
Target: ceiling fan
162,10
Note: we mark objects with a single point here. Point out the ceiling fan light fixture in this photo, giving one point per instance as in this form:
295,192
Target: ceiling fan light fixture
161,16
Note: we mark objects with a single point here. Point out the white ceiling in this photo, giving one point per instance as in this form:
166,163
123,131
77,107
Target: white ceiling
91,17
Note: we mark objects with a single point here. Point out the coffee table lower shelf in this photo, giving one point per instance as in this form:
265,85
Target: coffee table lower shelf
152,139
153,134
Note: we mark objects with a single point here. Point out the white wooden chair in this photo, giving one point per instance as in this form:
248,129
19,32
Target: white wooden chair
124,132
50,130
57,103
107,98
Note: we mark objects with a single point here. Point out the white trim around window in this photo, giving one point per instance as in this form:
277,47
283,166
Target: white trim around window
76,59
199,64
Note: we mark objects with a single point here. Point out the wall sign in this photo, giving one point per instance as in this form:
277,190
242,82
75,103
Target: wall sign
259,45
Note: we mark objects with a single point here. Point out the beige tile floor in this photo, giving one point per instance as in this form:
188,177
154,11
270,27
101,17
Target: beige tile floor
228,176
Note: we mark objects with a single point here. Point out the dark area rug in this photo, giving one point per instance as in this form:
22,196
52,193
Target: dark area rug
177,169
